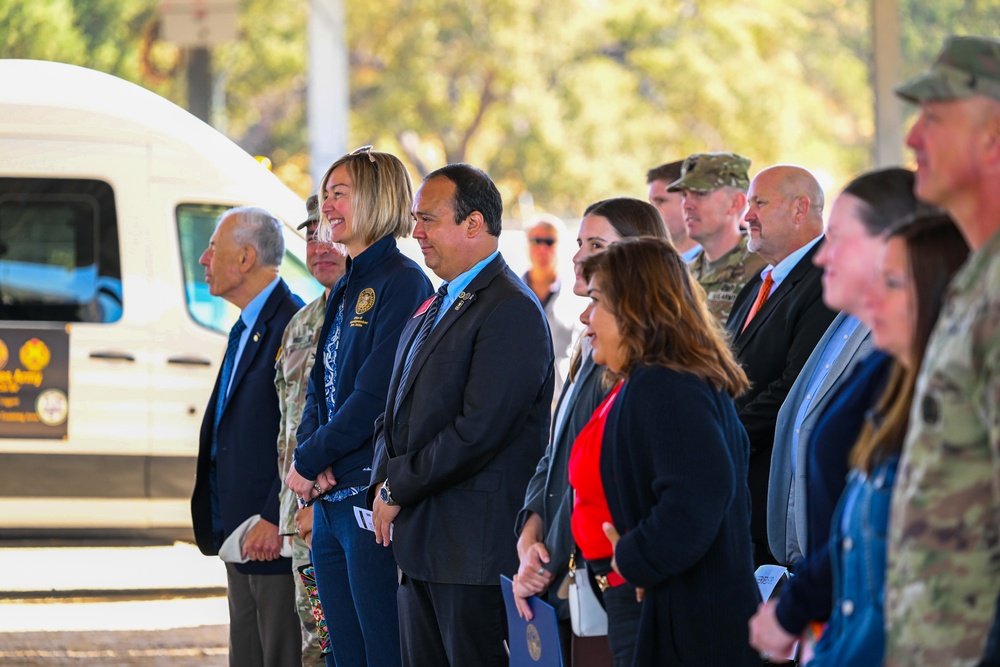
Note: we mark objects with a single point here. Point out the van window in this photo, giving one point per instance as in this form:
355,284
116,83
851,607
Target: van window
59,253
195,225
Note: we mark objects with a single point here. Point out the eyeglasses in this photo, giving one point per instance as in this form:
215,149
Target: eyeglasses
542,240
366,150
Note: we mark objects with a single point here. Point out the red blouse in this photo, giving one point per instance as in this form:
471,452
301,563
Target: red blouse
590,507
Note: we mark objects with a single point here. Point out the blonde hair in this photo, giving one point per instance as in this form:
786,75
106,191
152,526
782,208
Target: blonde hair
381,194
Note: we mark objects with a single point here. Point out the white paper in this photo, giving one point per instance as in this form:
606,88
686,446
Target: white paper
365,521
231,550
768,577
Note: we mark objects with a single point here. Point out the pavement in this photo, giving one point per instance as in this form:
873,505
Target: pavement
123,588
34,572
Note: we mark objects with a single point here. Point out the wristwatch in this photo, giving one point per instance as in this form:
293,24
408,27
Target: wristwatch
385,495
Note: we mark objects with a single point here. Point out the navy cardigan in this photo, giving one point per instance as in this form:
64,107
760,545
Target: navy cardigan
380,292
674,466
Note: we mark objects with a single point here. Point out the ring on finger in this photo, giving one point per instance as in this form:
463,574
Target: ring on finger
541,571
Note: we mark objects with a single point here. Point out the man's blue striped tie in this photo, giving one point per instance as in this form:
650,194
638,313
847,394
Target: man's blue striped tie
430,317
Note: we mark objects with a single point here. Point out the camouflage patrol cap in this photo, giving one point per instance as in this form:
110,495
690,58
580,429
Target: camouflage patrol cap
704,172
312,208
967,66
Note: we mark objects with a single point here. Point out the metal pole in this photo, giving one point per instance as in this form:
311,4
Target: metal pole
888,73
328,93
199,80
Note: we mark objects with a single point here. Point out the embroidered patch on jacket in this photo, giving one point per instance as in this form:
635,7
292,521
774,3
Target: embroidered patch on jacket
365,301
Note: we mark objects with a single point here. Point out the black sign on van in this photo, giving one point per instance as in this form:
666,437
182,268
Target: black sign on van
34,383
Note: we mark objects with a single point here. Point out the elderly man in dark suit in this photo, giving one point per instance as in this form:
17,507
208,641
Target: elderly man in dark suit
778,317
237,457
466,419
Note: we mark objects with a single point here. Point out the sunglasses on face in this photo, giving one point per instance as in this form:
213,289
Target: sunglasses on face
540,240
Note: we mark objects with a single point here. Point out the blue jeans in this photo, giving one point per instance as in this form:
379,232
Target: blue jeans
357,586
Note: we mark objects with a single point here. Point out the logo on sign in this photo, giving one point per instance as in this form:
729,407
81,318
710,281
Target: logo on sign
52,407
35,355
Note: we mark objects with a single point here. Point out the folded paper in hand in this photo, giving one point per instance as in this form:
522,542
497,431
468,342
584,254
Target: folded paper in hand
231,550
366,521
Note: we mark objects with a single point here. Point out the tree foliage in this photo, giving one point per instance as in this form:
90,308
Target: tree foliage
100,34
563,101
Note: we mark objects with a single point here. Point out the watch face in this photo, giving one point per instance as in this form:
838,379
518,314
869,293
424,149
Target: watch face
384,495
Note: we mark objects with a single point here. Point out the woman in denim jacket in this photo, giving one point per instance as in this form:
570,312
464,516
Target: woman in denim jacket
919,260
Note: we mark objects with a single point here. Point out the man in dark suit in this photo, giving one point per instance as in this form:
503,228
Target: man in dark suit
778,317
466,419
237,457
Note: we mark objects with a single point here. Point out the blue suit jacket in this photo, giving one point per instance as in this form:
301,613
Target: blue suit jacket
246,465
787,527
473,420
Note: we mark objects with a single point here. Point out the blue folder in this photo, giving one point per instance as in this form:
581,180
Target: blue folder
532,643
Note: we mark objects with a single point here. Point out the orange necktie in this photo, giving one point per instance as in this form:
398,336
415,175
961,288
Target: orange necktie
765,291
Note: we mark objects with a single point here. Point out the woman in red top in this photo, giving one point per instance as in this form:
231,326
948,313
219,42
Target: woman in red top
664,464
590,507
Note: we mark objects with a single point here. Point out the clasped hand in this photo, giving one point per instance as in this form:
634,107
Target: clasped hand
306,488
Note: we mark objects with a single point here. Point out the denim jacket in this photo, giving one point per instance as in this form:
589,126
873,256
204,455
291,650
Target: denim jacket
856,634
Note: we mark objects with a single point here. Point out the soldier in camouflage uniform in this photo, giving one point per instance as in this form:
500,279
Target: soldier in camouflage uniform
714,187
295,360
943,569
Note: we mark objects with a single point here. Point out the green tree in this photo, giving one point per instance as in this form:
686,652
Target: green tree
100,34
572,101
563,102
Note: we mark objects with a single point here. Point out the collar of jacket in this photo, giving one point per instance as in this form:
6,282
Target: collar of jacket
368,260
486,276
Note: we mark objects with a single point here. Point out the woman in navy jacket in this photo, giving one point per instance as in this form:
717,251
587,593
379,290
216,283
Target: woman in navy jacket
674,458
919,261
366,198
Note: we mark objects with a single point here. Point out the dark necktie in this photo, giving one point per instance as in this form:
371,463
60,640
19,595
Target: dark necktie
430,317
225,374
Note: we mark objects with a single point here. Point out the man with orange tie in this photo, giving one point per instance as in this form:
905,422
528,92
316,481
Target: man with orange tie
778,317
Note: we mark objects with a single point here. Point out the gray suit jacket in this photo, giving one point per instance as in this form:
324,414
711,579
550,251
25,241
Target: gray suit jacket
549,494
786,497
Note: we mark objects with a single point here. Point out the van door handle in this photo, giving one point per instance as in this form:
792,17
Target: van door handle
117,356
189,361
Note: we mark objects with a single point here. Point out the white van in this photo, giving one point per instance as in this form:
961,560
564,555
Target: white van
109,339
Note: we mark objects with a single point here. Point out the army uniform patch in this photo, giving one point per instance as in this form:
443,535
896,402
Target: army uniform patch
930,409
